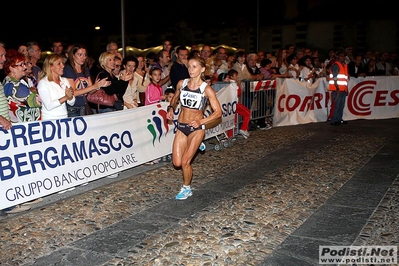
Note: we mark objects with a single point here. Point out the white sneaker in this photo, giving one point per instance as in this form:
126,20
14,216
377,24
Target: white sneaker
113,175
244,133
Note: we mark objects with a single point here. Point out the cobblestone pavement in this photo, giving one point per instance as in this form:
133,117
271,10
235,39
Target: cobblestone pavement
271,199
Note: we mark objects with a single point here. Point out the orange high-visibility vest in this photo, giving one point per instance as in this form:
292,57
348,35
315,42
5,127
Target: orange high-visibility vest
343,78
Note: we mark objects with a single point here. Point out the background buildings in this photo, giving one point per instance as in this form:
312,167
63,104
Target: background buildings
252,25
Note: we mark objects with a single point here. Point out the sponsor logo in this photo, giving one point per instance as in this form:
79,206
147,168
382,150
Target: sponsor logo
158,125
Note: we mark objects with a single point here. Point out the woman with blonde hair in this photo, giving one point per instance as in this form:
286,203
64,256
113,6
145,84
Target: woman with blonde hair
191,121
54,90
117,86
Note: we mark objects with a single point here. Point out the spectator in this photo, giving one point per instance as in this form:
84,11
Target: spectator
23,49
163,64
349,54
221,54
29,78
194,47
290,48
206,51
281,64
230,60
261,56
330,56
118,66
213,69
266,68
194,53
58,48
131,98
112,47
367,56
68,50
293,67
255,73
179,68
169,93
117,85
168,46
240,66
141,74
77,72
23,101
151,60
355,68
6,125
300,54
394,61
34,53
154,92
308,72
384,68
55,90
371,68
241,109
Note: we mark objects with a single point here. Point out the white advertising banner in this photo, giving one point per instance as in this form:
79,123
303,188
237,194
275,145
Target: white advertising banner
372,98
368,98
300,102
43,157
228,98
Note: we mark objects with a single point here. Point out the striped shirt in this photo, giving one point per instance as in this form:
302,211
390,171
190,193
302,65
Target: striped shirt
3,104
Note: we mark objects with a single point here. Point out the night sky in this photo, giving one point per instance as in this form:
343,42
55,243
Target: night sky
76,19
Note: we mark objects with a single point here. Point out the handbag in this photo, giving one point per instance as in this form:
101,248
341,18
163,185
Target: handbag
100,97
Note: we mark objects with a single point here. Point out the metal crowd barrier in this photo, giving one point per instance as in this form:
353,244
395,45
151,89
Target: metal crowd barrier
259,97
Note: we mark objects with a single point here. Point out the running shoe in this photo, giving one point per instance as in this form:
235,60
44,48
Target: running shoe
184,193
202,147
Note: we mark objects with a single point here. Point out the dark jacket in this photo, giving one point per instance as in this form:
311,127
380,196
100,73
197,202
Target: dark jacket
117,87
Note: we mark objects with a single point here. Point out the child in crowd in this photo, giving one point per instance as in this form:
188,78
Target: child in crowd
242,110
169,93
154,91
266,68
154,94
208,80
293,66
214,70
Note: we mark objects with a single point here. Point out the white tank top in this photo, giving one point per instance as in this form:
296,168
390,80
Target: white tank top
193,99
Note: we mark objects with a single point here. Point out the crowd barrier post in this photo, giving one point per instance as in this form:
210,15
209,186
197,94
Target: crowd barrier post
259,97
